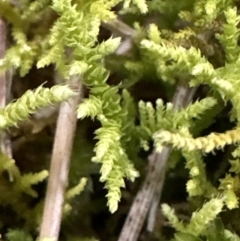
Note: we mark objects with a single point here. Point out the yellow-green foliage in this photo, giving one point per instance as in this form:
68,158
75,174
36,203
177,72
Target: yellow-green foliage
24,52
18,235
141,4
77,189
198,184
76,28
32,101
85,59
71,193
70,42
230,35
174,59
200,219
206,144
204,216
13,191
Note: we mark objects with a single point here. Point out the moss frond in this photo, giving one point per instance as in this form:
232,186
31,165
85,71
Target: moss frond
66,31
18,235
10,12
34,8
230,185
229,38
197,185
184,61
115,163
206,144
202,218
72,192
141,4
204,12
170,214
30,102
90,107
19,191
27,180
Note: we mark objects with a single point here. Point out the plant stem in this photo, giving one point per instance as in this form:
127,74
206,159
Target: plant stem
121,29
5,86
58,176
3,81
182,97
149,195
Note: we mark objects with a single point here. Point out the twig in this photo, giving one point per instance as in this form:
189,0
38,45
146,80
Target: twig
3,81
150,193
5,85
58,177
121,29
182,98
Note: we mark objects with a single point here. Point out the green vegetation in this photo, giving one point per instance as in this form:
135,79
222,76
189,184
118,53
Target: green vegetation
125,112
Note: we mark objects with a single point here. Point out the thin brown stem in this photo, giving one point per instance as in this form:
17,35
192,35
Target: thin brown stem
3,80
5,86
119,28
58,176
150,193
182,97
